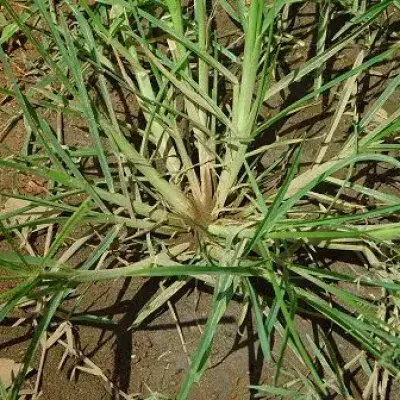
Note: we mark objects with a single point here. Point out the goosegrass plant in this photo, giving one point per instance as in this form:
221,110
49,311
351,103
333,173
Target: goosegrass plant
184,188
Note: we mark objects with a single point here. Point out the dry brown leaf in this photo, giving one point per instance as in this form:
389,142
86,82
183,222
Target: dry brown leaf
381,116
13,204
306,177
9,369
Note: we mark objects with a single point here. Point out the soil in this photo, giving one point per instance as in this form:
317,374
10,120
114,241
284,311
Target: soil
153,358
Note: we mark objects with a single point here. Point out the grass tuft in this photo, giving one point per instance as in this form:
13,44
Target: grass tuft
193,187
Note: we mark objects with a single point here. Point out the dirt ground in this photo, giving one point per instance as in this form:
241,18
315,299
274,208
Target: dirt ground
155,356
152,357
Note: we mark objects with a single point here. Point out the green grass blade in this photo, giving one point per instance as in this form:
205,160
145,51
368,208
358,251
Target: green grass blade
67,229
222,296
262,334
101,248
34,344
21,291
270,218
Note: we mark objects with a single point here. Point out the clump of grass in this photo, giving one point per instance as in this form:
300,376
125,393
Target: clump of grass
185,190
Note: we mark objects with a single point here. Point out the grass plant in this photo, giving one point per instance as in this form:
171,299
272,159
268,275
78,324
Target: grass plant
185,187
